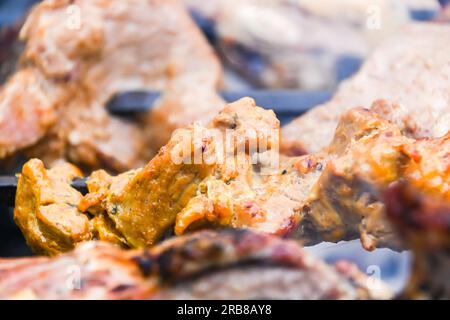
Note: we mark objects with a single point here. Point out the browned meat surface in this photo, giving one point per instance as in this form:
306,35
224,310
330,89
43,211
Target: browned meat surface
411,69
137,207
70,69
201,180
331,196
423,221
145,203
352,183
46,209
231,264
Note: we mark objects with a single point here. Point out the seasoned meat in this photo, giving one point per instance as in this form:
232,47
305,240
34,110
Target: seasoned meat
352,183
231,264
144,204
78,54
411,70
333,195
304,44
231,175
422,220
138,207
46,209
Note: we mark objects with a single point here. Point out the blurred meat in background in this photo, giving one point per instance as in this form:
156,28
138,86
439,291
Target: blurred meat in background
54,105
302,44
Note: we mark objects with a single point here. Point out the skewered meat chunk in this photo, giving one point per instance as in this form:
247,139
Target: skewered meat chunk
235,264
422,220
333,195
352,183
411,70
139,206
46,209
54,107
144,204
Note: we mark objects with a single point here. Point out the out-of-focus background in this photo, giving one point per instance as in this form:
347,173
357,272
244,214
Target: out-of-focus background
271,44
295,44
303,44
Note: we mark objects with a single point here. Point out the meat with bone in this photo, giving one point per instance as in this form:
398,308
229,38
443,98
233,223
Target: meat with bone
411,69
332,196
78,54
423,221
231,264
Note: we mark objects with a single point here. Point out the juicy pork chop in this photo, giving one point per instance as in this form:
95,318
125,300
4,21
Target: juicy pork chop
230,174
231,264
78,54
411,69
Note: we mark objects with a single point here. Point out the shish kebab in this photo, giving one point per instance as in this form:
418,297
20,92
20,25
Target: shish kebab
332,195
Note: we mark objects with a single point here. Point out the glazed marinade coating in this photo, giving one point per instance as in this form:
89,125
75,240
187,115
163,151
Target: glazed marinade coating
46,208
333,195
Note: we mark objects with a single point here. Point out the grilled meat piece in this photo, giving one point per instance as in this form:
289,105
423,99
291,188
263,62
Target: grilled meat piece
231,264
411,69
144,204
78,54
137,208
423,221
333,195
303,44
352,183
46,209
199,181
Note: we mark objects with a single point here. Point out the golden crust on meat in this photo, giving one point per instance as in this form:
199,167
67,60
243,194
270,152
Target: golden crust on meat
198,181
147,205
353,180
46,208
